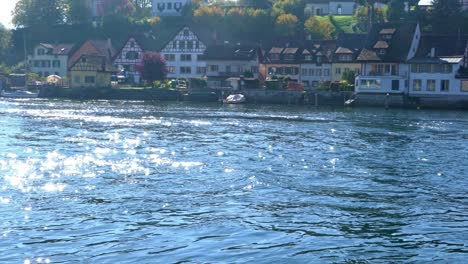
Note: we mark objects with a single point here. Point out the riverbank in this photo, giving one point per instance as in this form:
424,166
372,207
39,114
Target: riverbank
262,96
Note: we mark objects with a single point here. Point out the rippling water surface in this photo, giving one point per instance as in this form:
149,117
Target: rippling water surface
133,182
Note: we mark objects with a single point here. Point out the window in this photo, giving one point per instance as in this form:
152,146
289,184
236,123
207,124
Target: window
170,69
213,68
289,57
417,85
339,10
444,85
319,59
185,70
308,57
169,57
338,70
174,44
132,55
89,79
56,64
304,71
464,86
319,72
186,32
381,51
345,57
190,45
197,44
311,72
46,74
37,63
169,6
326,72
132,44
370,84
228,68
447,68
186,57
387,36
254,69
431,84
201,70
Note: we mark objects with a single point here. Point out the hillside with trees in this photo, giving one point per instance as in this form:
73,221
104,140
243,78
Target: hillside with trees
258,21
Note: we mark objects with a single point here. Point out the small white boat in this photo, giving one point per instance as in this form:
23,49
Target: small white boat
19,94
235,99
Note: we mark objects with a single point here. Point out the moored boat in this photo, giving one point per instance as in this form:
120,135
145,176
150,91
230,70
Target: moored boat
19,94
235,99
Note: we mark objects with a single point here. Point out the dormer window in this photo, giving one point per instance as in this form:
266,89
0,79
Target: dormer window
387,37
308,57
381,51
345,57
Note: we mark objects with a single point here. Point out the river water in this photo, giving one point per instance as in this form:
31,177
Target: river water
134,182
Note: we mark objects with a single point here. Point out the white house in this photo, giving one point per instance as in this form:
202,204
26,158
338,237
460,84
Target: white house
226,61
316,65
168,7
385,66
435,68
49,59
183,55
330,7
127,59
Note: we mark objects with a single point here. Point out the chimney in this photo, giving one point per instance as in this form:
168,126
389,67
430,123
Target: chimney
433,52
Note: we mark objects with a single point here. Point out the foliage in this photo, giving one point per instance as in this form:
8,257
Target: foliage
294,7
320,27
152,67
210,16
5,41
349,77
367,16
286,25
446,16
344,24
396,11
256,4
78,12
162,84
38,13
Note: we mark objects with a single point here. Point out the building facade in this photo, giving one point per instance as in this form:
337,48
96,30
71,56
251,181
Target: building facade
282,62
315,66
385,67
91,71
229,61
183,55
168,7
50,59
330,7
127,59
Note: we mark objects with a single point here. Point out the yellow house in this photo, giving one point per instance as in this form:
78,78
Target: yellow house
91,71
344,60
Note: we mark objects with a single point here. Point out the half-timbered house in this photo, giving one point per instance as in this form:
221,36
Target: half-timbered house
183,55
127,59
91,71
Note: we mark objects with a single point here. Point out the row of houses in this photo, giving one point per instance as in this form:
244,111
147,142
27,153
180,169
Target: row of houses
395,59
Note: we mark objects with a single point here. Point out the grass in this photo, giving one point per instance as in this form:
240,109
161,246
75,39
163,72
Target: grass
343,23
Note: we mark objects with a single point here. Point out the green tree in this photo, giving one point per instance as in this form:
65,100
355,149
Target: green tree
209,16
364,18
286,25
294,7
256,22
257,4
349,77
5,38
320,28
78,12
446,16
235,22
38,13
396,11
